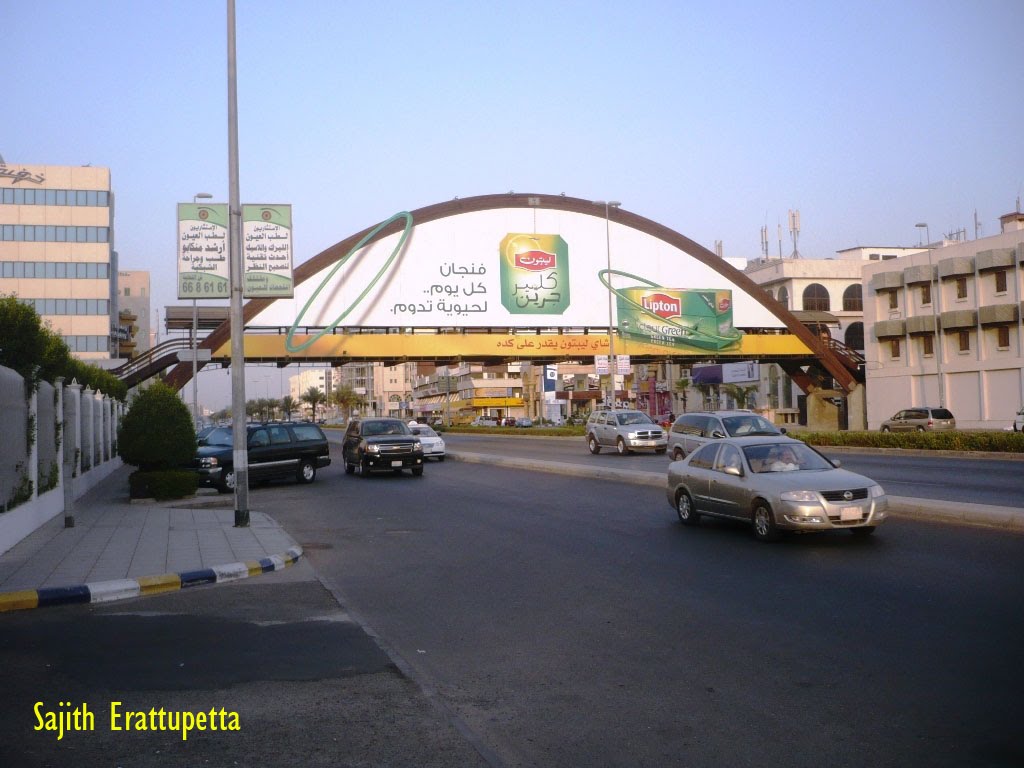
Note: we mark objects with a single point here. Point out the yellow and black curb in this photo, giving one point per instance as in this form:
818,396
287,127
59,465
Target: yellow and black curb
120,589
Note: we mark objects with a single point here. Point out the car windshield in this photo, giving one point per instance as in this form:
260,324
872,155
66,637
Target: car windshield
738,426
784,457
219,436
385,427
633,417
423,431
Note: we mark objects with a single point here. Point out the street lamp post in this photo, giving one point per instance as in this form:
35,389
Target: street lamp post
195,338
608,205
935,295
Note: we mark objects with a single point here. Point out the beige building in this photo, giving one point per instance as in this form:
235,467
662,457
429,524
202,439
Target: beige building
387,389
971,292
57,250
133,306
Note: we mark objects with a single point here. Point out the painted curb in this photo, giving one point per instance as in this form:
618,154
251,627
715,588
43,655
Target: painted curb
121,589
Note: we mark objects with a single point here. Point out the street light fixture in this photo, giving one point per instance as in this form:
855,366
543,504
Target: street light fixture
612,367
195,338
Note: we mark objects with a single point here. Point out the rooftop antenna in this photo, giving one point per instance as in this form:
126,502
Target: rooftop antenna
780,240
764,242
977,225
794,231
718,248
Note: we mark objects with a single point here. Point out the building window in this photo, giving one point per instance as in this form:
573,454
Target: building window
927,346
894,349
1001,281
127,291
926,294
855,336
784,297
1003,337
853,299
965,341
894,300
961,287
816,298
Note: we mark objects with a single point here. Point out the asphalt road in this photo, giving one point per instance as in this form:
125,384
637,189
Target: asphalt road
999,482
574,622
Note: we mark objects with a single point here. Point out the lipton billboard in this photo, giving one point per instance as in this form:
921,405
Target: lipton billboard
524,268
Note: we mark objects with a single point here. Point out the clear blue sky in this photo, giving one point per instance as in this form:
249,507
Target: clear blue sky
714,119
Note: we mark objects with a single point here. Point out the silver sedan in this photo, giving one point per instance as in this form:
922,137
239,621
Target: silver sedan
775,484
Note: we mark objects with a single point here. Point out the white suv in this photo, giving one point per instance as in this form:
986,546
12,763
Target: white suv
626,431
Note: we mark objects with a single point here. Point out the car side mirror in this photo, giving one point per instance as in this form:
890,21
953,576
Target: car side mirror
736,471
782,430
718,433
836,463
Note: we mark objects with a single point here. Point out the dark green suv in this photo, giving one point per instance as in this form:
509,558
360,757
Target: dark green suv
288,450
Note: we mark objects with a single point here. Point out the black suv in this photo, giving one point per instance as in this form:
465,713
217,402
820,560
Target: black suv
381,444
279,450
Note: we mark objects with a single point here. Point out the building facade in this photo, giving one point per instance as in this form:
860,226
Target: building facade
133,302
944,329
57,251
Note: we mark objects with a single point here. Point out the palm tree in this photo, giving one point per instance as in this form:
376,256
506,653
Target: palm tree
346,399
681,386
288,406
313,397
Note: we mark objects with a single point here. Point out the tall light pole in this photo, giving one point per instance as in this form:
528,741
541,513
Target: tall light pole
239,432
195,338
608,205
935,295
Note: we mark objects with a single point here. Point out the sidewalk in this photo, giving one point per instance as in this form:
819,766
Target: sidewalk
119,549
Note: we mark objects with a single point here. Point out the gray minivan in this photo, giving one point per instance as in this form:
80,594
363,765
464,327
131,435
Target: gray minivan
692,430
921,419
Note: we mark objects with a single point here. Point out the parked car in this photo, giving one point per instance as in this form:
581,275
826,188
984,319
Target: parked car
920,419
775,484
524,421
483,421
1018,421
380,445
276,450
624,430
692,430
433,443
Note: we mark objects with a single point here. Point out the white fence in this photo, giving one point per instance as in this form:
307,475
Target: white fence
55,445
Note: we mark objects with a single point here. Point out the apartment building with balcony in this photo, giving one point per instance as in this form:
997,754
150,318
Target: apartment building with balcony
943,328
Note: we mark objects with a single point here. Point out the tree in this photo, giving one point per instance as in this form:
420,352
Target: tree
313,397
157,431
346,399
681,386
288,406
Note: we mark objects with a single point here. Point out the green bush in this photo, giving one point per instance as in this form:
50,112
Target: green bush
162,484
956,440
157,431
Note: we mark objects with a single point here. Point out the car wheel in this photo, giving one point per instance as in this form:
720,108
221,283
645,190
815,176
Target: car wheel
307,472
678,455
885,429
620,447
349,469
595,447
764,523
417,471
227,480
684,508
364,469
864,530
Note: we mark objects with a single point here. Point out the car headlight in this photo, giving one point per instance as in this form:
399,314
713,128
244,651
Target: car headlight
631,435
372,448
802,496
208,461
417,447
876,491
